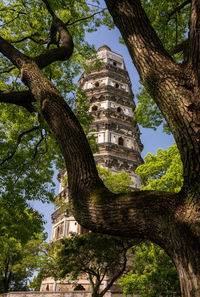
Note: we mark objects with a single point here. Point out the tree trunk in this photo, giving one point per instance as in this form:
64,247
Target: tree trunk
186,258
174,87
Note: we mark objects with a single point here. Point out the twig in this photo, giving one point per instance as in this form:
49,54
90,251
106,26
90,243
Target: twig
178,8
5,24
85,18
7,70
18,142
49,8
37,145
23,38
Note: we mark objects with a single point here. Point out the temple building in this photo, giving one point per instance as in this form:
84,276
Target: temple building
118,138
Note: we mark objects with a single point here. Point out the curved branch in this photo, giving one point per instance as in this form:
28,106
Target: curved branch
7,70
143,214
171,85
116,276
194,39
37,145
24,99
138,34
40,41
14,55
19,138
59,54
86,18
178,9
62,53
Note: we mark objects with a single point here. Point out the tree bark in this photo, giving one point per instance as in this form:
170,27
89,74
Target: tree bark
175,89
173,86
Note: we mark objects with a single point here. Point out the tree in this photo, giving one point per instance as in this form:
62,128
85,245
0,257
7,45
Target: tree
18,262
116,183
152,273
163,171
20,245
98,257
168,219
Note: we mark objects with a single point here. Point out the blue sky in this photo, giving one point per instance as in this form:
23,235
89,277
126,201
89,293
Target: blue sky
152,140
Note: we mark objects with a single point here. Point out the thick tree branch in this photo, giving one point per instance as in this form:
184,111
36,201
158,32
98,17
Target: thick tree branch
141,39
151,215
158,216
14,55
194,39
19,138
60,54
178,8
24,99
171,85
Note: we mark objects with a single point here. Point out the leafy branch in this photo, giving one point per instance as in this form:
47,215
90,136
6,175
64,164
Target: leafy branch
86,18
18,143
177,9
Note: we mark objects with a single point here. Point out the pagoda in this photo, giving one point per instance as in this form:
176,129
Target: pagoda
109,92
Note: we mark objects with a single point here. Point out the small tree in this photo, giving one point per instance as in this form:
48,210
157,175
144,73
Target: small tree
18,261
153,273
100,257
116,183
163,171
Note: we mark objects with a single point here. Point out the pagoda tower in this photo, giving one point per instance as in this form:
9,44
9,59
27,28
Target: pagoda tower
111,104
117,134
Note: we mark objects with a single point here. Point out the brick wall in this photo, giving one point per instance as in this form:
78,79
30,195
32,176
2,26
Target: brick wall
56,294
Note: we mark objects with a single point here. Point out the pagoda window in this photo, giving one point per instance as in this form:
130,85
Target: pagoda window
72,227
119,109
120,141
79,287
96,84
127,112
57,232
100,138
94,107
117,85
128,143
114,63
113,138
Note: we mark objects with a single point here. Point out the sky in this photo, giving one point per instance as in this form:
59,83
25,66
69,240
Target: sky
152,140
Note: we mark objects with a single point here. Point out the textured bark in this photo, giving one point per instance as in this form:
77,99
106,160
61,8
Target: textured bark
24,99
170,220
172,86
175,89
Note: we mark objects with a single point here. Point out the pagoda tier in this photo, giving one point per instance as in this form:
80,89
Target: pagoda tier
112,107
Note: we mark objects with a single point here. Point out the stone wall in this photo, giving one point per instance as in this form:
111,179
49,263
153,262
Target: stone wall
56,294
47,294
